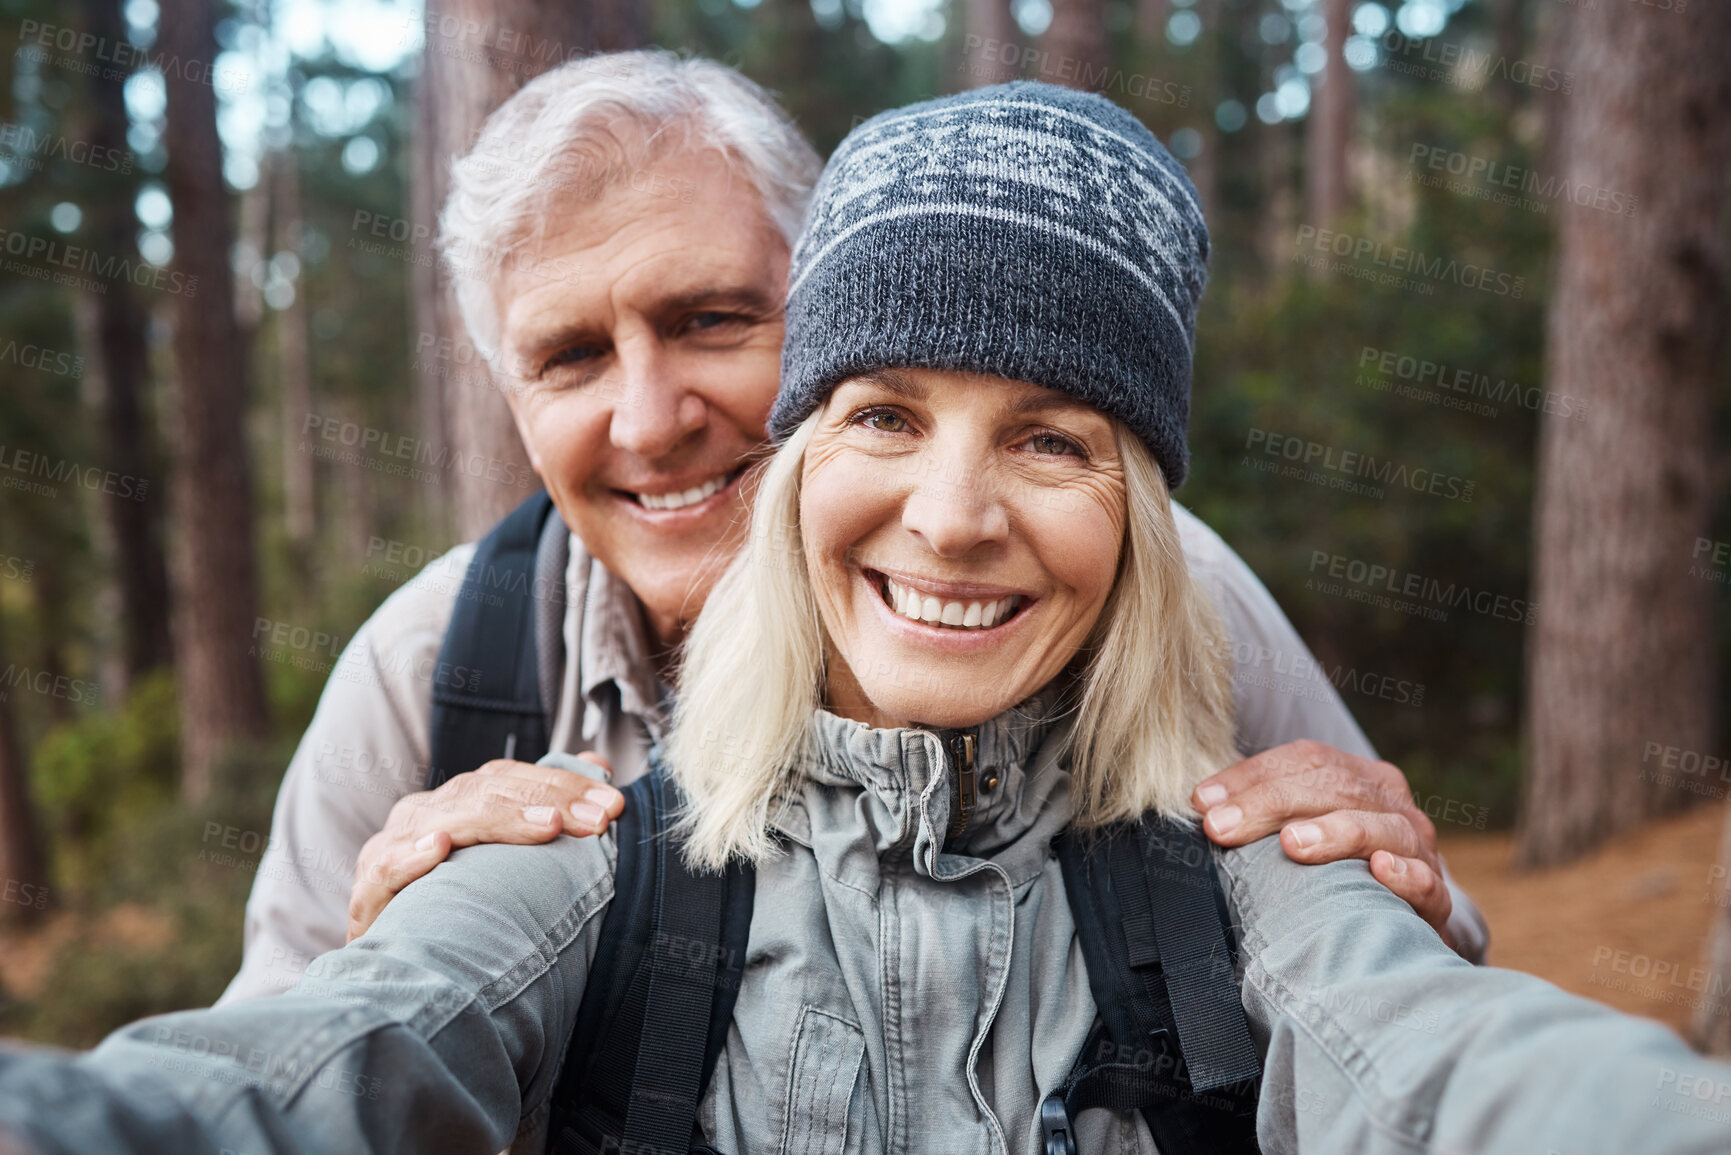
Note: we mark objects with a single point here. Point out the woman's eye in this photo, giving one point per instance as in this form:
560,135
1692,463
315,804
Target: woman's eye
1055,445
882,420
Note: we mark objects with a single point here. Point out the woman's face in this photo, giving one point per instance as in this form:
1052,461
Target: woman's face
962,535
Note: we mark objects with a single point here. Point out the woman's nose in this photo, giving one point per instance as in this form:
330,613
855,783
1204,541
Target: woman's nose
955,510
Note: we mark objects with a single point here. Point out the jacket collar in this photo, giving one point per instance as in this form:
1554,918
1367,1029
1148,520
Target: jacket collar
885,791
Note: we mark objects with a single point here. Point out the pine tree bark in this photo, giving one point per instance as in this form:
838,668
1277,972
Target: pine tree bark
1073,47
992,44
23,868
1330,131
470,67
116,371
222,698
1622,653
294,355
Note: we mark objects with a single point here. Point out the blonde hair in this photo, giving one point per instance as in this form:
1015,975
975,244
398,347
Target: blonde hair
1155,712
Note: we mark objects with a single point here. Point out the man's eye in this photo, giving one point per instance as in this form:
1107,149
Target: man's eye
711,320
574,355
1055,445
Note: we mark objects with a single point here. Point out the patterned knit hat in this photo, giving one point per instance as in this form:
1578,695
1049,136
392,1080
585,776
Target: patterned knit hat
1025,231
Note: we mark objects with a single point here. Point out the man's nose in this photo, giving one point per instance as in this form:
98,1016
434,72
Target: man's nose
953,509
654,407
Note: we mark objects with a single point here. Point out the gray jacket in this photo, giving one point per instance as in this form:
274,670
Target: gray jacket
900,995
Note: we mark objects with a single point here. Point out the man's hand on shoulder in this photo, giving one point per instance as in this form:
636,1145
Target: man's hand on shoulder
503,801
1329,805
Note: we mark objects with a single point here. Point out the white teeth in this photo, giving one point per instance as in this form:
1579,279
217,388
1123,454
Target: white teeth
680,500
964,615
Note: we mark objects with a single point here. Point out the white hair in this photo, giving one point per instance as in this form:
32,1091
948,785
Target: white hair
1153,677
561,135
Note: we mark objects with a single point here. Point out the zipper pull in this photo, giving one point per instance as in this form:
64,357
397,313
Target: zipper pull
962,752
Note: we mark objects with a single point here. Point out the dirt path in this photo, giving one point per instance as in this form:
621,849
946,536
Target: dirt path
1649,894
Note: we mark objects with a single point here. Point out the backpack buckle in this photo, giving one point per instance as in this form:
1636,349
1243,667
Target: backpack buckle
1055,1126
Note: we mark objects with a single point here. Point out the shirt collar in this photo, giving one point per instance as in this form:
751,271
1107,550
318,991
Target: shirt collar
615,646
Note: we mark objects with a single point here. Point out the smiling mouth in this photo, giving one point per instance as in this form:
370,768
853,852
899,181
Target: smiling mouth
956,615
682,498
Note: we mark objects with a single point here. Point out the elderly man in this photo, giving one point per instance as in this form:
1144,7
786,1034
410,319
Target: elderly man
620,235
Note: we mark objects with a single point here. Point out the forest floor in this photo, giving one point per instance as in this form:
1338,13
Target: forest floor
1627,926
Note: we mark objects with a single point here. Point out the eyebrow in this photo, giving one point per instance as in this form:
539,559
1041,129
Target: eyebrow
560,336
898,382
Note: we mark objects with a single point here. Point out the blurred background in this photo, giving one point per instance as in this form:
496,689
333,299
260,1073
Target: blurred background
1461,402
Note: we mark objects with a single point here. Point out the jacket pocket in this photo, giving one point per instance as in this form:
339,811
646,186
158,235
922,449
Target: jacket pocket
827,1053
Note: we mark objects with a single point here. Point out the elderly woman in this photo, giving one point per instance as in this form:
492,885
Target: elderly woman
959,658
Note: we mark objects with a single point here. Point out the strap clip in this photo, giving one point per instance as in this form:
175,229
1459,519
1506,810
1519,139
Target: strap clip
1055,1126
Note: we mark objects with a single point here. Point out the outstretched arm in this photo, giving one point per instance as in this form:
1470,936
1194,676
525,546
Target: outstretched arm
1379,1041
441,1029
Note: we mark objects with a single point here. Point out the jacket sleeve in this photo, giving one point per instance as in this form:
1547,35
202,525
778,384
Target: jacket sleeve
1279,692
366,748
1379,1040
441,1029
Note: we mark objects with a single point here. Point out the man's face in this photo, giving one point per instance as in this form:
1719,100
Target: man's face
642,372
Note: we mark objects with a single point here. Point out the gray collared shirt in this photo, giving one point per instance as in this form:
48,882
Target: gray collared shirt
367,746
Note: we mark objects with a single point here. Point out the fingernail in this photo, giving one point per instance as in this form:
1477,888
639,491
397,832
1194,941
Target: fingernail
1211,795
588,813
426,842
1225,819
1396,865
1306,835
538,815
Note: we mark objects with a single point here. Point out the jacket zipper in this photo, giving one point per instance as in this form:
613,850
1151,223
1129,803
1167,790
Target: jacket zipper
961,745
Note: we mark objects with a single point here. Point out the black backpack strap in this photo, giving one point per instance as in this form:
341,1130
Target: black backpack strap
487,686
663,983
1173,1041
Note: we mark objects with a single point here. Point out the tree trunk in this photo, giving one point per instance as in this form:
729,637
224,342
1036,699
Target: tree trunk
992,45
23,869
1331,114
1151,16
1073,47
221,688
112,333
479,52
300,480
1622,653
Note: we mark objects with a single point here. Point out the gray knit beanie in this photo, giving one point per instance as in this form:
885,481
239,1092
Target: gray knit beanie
1025,231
